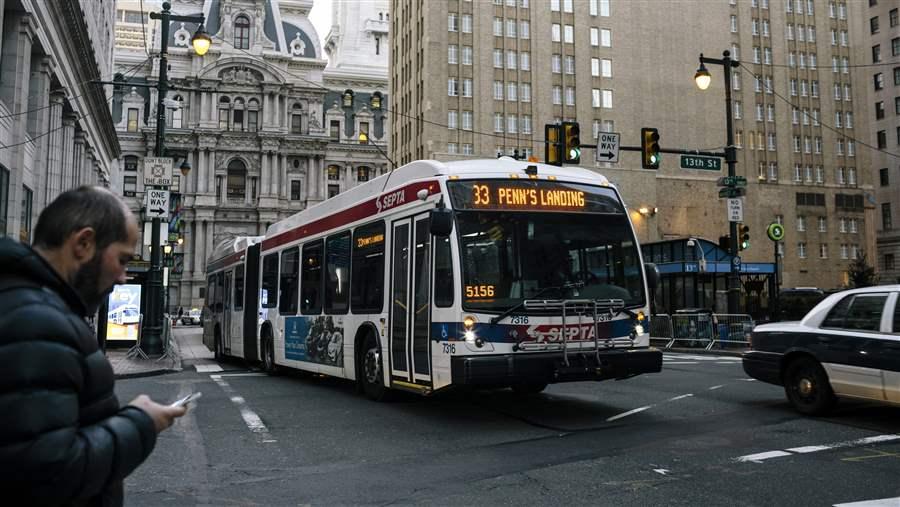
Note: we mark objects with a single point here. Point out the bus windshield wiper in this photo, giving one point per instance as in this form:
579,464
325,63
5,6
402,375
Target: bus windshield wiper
520,304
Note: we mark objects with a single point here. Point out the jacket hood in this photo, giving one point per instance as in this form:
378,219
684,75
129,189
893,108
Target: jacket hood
19,260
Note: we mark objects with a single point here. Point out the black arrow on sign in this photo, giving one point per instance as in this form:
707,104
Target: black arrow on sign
608,154
158,211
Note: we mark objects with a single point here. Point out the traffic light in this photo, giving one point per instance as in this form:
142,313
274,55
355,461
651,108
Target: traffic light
649,148
572,149
553,145
743,237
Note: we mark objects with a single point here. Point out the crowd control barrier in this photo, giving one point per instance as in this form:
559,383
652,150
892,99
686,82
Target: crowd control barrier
701,330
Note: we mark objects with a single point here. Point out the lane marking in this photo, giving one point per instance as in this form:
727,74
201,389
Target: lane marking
760,457
681,362
713,388
207,368
878,454
680,397
884,502
249,374
661,471
253,422
626,414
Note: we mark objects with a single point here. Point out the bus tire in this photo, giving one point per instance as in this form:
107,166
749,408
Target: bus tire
372,372
527,388
268,354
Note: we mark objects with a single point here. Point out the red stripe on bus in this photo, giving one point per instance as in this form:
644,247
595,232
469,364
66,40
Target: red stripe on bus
372,207
224,261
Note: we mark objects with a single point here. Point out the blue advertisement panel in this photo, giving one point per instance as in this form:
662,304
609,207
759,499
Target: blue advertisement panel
124,316
314,339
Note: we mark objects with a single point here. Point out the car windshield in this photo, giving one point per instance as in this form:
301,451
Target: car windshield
509,256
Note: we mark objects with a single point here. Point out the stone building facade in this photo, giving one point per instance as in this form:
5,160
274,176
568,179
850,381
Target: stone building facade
56,132
264,133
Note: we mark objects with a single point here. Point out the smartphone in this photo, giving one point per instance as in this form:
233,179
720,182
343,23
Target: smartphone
187,399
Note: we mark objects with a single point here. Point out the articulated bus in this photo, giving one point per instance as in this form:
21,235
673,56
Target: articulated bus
497,272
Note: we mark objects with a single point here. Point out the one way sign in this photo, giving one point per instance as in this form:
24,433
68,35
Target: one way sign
607,147
157,203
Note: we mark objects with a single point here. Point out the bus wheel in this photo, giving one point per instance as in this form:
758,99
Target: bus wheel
372,372
269,356
529,387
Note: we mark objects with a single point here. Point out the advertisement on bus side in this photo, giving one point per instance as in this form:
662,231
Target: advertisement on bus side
314,339
123,321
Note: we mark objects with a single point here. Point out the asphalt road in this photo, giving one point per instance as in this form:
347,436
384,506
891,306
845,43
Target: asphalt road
699,433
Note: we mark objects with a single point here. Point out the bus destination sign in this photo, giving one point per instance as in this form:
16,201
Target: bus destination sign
532,195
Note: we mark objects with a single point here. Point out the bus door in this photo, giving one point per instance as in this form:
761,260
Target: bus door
410,285
226,314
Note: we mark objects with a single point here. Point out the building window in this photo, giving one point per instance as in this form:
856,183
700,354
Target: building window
607,99
224,107
467,120
606,38
242,32
333,190
132,120
889,258
295,190
335,129
886,216
25,227
237,180
823,224
334,172
801,250
823,251
363,173
129,186
452,22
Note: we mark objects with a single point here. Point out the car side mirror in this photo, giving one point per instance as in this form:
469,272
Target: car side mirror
441,221
652,274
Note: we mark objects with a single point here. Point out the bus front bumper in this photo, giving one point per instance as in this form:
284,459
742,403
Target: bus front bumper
550,367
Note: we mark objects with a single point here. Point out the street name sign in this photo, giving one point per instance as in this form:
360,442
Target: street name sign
736,210
158,171
731,192
607,147
157,203
701,162
731,181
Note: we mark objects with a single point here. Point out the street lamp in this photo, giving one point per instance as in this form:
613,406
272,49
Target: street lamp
703,78
151,339
701,264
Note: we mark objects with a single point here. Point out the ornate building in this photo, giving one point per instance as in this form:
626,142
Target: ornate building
255,118
55,128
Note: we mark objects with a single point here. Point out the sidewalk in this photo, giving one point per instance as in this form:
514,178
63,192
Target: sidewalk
188,345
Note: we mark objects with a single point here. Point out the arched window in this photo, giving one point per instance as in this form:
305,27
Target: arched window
242,32
253,115
348,98
376,100
174,115
237,180
297,119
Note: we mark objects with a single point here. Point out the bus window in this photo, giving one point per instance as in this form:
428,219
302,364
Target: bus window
287,300
311,303
220,291
337,280
239,288
443,273
367,289
211,293
270,281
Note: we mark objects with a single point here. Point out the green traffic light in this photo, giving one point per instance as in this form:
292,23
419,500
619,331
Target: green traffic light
574,153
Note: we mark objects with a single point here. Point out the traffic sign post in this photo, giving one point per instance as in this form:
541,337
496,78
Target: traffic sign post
736,210
157,203
158,171
732,192
607,147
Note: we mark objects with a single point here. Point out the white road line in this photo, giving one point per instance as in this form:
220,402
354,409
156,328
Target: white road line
626,414
253,422
758,458
207,368
249,374
681,362
884,502
713,388
680,397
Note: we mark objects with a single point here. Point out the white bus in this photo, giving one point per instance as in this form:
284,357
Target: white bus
124,315
490,272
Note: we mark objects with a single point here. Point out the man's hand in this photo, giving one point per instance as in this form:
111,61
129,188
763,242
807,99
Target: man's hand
163,415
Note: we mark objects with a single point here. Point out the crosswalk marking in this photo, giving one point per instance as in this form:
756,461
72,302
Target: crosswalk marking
207,368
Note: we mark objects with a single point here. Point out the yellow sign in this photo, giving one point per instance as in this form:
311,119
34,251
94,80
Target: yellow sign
512,197
369,240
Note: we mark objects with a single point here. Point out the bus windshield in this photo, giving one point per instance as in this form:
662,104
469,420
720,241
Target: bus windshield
508,256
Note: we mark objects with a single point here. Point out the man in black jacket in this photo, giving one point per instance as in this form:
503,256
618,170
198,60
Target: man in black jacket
64,439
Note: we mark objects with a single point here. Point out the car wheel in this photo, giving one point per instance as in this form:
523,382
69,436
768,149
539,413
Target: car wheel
527,388
372,377
807,388
269,365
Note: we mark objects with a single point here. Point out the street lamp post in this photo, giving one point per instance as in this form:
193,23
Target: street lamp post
703,78
151,339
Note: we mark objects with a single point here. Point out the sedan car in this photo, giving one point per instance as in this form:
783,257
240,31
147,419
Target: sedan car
846,346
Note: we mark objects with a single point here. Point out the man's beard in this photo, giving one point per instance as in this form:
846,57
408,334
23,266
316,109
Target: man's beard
86,281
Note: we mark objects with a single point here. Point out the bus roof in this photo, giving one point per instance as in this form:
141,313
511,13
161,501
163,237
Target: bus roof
420,170
232,246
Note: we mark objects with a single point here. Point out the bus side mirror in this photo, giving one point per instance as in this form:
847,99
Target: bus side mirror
652,275
441,222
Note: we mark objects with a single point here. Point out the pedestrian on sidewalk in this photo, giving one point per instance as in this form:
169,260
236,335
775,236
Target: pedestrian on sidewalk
64,439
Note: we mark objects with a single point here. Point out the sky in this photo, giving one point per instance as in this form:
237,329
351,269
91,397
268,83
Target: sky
320,17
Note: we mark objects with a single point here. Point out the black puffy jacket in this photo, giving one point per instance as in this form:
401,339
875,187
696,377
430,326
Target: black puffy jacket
64,440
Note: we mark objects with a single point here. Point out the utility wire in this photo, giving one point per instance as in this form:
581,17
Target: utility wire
822,123
3,146
144,29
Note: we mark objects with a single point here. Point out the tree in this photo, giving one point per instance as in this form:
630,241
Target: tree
861,273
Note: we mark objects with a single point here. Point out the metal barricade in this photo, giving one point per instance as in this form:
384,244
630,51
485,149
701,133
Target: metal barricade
661,329
732,330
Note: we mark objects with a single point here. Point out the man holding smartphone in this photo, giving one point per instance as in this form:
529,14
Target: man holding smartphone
64,439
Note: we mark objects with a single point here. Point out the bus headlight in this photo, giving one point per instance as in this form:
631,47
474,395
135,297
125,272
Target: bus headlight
638,329
469,322
470,336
